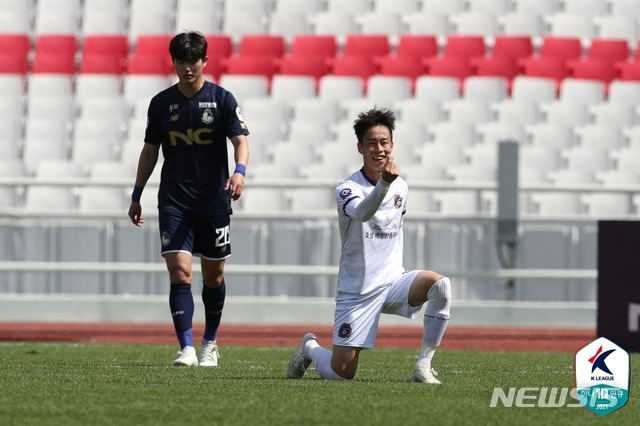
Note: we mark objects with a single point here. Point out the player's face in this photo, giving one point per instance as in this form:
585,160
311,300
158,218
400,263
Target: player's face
189,71
375,148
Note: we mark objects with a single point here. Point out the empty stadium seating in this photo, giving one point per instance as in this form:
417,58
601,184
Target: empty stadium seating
568,92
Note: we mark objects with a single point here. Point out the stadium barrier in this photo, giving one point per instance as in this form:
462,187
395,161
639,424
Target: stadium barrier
281,309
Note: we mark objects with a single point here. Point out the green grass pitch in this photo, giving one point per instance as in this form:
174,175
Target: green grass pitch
99,384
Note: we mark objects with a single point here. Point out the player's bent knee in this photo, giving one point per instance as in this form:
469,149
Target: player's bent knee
440,289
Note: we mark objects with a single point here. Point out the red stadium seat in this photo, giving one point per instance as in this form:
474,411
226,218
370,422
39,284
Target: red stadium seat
15,44
353,65
324,46
495,66
11,63
262,45
548,67
417,45
214,67
613,50
357,66
219,46
403,66
113,45
314,66
514,47
250,65
152,45
561,47
149,64
61,44
444,66
629,71
592,69
96,63
54,63
369,45
464,46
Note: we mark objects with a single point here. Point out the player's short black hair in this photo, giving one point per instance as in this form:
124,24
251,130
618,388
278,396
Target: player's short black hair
374,117
188,46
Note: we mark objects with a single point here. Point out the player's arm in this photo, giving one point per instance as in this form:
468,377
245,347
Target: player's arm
235,185
146,164
363,209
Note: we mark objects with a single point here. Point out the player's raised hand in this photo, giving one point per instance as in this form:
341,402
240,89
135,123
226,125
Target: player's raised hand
390,171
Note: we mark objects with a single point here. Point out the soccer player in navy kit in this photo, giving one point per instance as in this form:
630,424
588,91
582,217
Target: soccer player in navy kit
371,279
191,121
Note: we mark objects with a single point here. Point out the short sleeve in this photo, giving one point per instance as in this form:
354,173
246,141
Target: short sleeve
235,124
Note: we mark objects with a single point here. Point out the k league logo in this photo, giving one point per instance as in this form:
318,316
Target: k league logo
602,376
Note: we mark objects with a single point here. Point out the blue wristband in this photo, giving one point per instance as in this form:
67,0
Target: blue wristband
136,194
240,168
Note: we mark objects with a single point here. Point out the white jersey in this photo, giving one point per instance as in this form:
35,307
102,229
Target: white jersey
372,237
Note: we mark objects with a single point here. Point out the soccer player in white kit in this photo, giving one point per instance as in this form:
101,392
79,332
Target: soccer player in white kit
371,279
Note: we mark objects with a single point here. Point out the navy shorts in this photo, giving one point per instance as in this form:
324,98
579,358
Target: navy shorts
204,236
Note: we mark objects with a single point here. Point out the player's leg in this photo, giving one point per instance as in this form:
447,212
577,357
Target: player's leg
213,296
212,243
176,237
309,351
355,328
435,289
181,305
344,361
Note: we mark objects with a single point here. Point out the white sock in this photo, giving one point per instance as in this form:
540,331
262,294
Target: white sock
309,346
321,359
436,319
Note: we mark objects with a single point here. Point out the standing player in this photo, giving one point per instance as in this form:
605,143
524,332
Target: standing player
371,279
191,121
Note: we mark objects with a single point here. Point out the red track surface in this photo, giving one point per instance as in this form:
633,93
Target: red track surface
478,338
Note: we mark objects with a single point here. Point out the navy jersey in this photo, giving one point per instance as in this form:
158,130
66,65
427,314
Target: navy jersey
193,133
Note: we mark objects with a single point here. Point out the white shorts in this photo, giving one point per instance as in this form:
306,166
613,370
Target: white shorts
357,316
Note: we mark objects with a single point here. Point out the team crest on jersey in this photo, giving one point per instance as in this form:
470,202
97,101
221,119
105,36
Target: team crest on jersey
345,193
207,117
397,201
165,239
173,107
174,117
344,331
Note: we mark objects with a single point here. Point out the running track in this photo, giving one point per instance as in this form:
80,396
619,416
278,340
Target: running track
471,338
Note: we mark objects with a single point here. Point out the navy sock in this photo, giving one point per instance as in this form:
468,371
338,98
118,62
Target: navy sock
213,299
182,306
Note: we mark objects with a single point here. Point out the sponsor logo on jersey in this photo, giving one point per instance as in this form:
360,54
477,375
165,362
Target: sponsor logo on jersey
207,105
198,136
173,107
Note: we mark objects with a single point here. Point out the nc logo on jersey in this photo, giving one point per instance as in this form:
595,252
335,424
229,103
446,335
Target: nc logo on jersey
601,371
